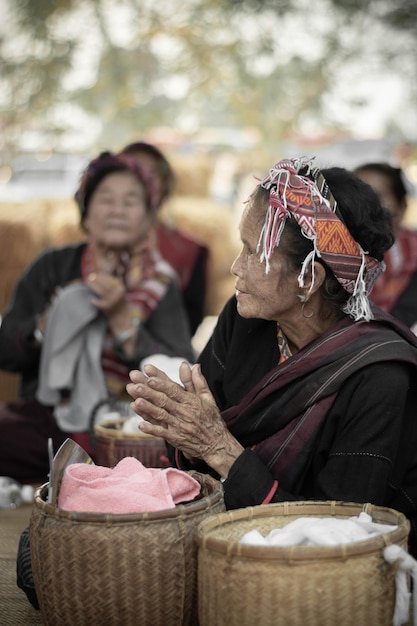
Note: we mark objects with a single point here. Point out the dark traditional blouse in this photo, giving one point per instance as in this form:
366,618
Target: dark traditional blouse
165,331
364,446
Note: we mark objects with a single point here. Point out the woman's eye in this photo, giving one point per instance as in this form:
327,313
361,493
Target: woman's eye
134,203
247,251
105,200
133,200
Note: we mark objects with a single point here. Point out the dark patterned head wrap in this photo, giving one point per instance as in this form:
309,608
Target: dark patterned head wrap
298,190
108,163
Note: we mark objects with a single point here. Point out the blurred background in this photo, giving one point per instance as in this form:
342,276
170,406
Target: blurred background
236,82
224,87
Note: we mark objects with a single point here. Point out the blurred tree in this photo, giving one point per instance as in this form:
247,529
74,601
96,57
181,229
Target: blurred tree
135,64
33,63
401,14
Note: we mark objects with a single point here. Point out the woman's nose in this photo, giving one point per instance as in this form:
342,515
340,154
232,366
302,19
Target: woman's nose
117,207
236,265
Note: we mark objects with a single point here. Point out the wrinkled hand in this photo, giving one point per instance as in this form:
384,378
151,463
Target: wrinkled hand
187,417
109,290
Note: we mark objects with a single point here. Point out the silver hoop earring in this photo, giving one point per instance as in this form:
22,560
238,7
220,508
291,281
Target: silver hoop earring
301,297
307,317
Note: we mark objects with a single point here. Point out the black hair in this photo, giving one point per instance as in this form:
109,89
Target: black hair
359,207
393,174
369,223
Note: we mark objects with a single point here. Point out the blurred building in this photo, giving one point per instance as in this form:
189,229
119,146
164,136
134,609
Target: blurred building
33,176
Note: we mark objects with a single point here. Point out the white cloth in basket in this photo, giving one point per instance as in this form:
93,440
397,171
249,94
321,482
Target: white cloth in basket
318,531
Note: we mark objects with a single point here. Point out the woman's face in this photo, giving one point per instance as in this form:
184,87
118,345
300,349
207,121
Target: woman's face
382,186
271,296
117,217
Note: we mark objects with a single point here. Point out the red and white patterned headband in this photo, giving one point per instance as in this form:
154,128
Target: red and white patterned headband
307,198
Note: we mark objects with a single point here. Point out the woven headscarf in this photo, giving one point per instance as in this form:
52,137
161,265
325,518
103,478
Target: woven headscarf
107,163
307,198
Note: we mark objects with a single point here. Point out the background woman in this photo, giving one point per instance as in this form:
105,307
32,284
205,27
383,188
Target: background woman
304,391
395,291
83,315
187,256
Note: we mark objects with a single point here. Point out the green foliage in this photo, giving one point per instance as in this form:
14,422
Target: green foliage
35,16
277,6
262,63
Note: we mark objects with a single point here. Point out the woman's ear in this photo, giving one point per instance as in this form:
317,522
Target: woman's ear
315,278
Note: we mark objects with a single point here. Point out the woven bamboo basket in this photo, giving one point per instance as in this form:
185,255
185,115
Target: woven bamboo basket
113,444
94,569
243,585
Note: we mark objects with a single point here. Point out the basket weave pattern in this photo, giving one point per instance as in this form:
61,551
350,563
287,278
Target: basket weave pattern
108,570
241,585
113,444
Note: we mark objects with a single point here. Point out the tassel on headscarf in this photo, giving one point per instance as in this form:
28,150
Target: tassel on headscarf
308,199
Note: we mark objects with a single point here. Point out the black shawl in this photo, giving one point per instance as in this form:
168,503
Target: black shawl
280,417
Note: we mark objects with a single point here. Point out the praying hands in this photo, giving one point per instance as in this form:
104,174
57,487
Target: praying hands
185,416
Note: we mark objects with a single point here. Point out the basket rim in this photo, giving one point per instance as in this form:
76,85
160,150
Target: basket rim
334,508
105,431
180,510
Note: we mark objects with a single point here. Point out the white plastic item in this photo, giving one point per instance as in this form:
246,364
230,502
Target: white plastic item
168,364
12,493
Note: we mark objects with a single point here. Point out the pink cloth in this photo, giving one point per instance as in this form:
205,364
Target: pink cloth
129,487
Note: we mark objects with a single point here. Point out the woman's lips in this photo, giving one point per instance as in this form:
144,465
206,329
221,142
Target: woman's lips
115,223
240,294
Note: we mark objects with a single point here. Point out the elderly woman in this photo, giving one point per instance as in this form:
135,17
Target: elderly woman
304,390
395,290
83,315
187,255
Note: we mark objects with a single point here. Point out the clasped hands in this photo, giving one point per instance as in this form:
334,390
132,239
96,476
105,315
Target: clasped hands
109,291
107,281
110,298
185,416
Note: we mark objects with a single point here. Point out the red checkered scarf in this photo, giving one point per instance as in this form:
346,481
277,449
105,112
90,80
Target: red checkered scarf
146,279
401,262
308,199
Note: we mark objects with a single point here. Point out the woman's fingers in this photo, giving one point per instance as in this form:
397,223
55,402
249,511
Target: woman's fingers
135,375
186,416
188,404
160,422
185,376
151,412
199,382
153,371
151,397
108,291
156,430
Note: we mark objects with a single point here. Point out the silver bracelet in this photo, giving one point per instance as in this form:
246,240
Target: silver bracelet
38,335
121,338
